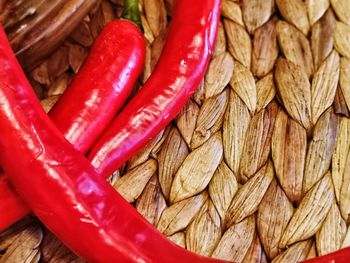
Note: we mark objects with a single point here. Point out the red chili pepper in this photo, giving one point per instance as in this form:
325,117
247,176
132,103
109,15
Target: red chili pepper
100,89
177,75
91,101
12,207
340,256
62,187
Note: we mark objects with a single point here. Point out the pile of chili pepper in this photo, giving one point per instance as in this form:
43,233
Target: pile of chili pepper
87,107
68,193
44,160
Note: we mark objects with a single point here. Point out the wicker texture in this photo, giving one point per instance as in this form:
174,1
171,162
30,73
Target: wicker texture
256,166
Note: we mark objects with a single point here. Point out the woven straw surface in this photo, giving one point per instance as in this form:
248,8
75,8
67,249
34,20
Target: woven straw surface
256,168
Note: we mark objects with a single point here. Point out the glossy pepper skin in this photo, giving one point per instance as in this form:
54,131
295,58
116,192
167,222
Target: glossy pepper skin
177,75
62,187
102,86
12,207
92,100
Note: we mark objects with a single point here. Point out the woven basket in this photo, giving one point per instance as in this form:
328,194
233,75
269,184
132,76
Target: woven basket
256,168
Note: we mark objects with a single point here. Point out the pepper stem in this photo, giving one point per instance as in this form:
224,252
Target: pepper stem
132,12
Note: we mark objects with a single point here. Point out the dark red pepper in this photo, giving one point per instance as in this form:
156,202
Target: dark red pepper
90,103
62,187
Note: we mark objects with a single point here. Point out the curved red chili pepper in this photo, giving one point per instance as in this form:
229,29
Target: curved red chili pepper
12,207
177,75
62,187
91,101
100,89
341,256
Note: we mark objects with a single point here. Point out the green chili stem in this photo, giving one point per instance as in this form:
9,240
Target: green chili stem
132,11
